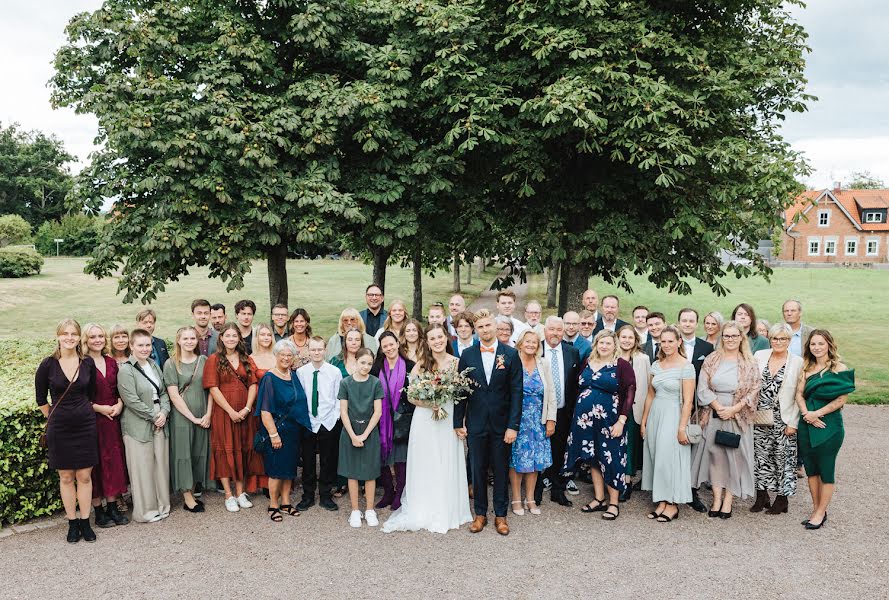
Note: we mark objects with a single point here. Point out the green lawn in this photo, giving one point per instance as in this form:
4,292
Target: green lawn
32,306
848,302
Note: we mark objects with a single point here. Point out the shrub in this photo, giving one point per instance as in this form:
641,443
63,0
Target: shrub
80,232
28,487
19,262
14,230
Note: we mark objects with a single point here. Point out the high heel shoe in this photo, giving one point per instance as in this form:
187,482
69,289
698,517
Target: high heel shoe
532,507
811,526
725,515
517,511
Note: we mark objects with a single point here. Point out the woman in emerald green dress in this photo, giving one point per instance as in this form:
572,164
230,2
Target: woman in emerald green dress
824,390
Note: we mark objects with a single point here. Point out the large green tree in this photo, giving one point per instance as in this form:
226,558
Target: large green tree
34,177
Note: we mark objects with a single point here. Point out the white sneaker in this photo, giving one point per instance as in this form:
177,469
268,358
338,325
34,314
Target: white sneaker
355,519
571,488
231,504
371,517
244,501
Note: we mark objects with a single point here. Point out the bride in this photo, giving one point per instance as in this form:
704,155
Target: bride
436,496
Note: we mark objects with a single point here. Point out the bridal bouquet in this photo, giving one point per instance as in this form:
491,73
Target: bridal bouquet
434,390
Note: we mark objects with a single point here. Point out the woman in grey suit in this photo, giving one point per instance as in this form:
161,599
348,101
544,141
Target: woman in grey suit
144,424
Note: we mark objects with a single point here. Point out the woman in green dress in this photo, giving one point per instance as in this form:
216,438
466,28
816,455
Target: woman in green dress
190,421
825,387
361,405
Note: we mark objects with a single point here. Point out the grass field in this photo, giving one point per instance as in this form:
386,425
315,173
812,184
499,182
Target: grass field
32,306
847,302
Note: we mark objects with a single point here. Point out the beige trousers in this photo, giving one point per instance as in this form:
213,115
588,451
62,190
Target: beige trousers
149,467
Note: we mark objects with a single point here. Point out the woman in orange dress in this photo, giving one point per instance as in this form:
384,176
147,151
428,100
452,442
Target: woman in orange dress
230,376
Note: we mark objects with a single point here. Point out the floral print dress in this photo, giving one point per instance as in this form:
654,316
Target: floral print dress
531,451
590,441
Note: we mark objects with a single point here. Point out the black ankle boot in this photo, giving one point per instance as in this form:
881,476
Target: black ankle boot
762,501
116,515
73,531
103,517
88,534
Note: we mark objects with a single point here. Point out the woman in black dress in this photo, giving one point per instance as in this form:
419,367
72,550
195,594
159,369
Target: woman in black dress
69,379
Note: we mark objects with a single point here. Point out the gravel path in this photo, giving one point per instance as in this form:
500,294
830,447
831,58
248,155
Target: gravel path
561,553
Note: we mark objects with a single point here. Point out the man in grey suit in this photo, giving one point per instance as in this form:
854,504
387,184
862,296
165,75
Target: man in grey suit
793,313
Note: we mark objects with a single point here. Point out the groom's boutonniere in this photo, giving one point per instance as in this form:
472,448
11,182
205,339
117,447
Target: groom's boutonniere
501,362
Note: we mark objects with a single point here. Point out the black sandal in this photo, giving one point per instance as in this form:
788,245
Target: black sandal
275,514
665,518
600,506
610,516
290,510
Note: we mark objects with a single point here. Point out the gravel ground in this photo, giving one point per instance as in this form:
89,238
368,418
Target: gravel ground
561,553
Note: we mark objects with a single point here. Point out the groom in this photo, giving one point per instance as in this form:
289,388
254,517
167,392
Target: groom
490,417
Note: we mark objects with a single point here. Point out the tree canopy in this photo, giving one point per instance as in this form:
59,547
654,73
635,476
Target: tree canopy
864,180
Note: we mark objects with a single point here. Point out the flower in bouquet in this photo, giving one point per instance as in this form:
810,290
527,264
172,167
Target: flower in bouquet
435,389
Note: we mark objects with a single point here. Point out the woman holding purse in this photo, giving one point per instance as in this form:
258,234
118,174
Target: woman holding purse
728,393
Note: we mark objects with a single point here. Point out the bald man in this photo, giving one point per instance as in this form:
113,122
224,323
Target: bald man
590,301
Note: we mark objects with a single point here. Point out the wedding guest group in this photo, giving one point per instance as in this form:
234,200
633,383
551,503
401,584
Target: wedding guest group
674,409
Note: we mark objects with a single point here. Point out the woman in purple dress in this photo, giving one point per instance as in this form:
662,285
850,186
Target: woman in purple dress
69,379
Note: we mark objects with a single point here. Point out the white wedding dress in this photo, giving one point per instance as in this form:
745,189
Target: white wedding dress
436,494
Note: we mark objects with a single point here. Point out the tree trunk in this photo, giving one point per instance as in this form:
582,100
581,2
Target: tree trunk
418,284
552,285
481,266
380,258
575,279
456,273
276,259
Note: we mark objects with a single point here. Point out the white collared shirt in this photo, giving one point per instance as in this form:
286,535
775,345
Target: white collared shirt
329,378
561,362
689,347
461,348
488,360
643,336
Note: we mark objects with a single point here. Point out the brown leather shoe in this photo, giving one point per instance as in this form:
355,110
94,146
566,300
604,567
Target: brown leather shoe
478,524
501,526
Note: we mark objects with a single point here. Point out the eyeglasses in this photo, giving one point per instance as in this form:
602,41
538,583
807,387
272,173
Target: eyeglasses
731,337
588,323
780,339
373,295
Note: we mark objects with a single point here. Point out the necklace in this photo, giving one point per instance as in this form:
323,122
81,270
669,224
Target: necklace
281,373
299,346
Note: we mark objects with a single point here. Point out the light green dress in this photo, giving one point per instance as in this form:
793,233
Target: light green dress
189,443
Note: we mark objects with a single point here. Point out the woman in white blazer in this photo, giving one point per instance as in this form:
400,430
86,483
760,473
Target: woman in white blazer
531,451
776,423
630,349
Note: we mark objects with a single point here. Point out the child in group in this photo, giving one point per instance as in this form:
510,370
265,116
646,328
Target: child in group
361,404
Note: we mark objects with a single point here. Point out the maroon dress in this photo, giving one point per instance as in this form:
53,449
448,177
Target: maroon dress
110,474
71,433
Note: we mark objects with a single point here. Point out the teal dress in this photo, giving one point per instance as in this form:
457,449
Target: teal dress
189,443
286,402
360,463
818,448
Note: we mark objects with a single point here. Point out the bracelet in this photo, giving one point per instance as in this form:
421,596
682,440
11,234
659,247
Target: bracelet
274,435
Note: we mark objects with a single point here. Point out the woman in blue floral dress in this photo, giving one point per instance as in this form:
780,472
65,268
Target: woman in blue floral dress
531,451
607,387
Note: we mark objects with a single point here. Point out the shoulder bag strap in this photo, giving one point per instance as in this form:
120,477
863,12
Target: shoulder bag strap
52,408
197,363
148,379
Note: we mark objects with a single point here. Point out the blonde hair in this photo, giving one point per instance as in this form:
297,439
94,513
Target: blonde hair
85,336
117,329
637,347
601,335
177,348
60,329
254,342
147,312
521,340
483,313
743,349
680,348
350,312
387,324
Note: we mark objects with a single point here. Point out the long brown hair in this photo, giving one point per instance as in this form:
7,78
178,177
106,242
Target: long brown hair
426,360
300,312
833,356
222,364
680,349
637,347
343,355
421,339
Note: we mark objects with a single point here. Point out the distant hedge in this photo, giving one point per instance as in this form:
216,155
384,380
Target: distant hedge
28,488
19,262
80,232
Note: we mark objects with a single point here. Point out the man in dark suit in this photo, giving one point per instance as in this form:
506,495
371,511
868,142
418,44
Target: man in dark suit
656,323
696,350
147,320
608,319
374,315
490,417
564,359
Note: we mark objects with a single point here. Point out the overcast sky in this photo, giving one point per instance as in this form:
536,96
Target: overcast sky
846,130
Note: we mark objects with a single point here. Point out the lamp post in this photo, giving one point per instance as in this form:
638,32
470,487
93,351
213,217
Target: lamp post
58,241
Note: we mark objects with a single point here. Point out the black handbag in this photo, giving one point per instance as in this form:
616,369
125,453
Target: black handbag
727,439
401,420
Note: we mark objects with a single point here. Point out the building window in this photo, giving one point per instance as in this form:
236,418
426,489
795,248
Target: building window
851,247
814,247
823,218
873,247
873,217
830,247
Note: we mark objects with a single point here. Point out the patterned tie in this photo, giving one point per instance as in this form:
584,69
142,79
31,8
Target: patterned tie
315,394
557,378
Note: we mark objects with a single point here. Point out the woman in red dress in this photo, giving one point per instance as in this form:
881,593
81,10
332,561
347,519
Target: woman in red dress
230,376
110,474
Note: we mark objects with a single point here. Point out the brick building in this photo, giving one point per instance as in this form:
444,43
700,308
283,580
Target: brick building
837,226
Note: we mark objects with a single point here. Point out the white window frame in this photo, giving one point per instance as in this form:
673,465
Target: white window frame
877,217
876,243
832,249
817,243
825,212
846,242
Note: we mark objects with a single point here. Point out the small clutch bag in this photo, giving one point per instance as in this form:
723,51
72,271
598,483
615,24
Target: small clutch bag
727,439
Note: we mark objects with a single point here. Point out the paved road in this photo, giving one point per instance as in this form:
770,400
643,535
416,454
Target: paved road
561,553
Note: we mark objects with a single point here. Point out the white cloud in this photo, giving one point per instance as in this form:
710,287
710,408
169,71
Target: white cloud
834,159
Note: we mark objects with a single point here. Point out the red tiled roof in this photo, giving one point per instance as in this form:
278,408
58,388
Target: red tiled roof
851,200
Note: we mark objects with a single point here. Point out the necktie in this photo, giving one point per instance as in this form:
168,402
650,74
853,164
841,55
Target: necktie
491,350
557,377
315,394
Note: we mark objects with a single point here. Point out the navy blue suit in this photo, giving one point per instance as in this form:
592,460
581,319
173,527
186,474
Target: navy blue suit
600,326
488,411
159,352
584,348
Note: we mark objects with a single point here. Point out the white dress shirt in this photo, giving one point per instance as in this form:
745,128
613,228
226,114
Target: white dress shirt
689,348
488,360
461,348
560,363
329,378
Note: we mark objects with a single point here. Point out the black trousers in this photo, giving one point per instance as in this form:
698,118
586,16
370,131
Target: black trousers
327,444
558,445
488,449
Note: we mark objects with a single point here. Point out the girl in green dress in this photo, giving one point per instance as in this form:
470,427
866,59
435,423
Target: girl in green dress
823,390
361,405
190,419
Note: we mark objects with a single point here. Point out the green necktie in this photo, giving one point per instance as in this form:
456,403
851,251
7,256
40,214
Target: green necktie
315,394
